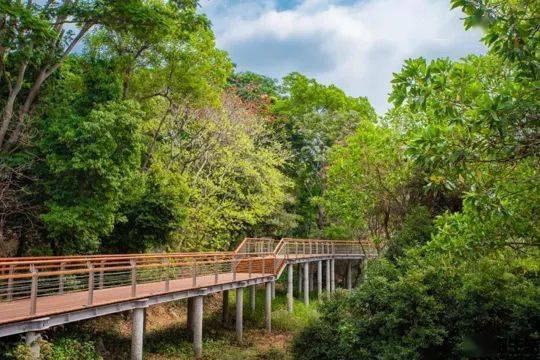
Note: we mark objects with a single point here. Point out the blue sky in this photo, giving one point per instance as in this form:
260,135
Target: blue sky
355,44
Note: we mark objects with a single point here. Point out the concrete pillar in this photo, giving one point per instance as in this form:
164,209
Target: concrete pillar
190,314
349,275
290,275
328,276
144,322
137,333
319,279
333,274
300,279
225,307
312,277
252,298
239,313
306,283
32,340
273,289
268,307
197,325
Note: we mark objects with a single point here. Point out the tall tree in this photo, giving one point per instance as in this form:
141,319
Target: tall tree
37,37
311,118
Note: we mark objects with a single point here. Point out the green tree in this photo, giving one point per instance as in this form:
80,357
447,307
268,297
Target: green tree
311,117
367,188
35,40
90,168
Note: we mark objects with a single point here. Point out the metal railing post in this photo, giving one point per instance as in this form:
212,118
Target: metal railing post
61,280
166,266
10,283
90,283
216,270
102,274
194,271
133,263
33,290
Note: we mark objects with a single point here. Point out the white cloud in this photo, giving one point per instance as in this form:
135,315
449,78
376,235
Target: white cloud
356,46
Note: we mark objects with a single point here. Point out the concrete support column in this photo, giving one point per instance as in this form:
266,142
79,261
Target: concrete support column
328,276
312,277
197,325
239,313
252,298
32,340
137,333
306,283
225,307
333,274
290,275
300,279
349,274
273,289
319,279
268,307
190,314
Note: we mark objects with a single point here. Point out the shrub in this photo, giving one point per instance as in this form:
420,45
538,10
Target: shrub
488,306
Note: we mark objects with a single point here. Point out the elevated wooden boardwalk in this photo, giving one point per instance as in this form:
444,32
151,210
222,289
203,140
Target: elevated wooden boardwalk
39,292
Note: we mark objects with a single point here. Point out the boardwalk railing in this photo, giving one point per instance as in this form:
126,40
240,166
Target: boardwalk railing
290,248
26,280
256,245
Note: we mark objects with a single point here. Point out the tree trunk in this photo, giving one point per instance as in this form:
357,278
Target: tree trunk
32,95
10,103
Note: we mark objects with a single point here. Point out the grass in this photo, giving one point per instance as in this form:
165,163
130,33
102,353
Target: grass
167,338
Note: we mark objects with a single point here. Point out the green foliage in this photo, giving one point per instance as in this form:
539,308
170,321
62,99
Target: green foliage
36,41
152,217
312,117
63,349
367,189
234,174
90,169
416,231
488,306
511,29
457,166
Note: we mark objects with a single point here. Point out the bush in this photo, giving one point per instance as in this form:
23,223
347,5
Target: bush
488,306
416,231
63,349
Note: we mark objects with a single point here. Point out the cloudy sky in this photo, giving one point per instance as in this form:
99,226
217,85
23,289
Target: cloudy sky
355,44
